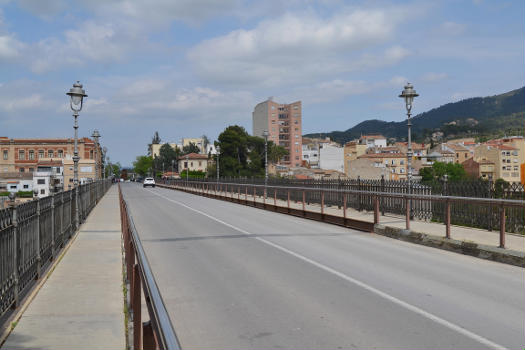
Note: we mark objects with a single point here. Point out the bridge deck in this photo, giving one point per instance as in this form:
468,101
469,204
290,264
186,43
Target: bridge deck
238,277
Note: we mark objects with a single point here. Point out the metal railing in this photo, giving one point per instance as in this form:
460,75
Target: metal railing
240,192
157,333
461,213
32,233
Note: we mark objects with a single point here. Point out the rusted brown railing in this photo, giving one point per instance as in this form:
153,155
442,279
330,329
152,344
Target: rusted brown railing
232,192
157,333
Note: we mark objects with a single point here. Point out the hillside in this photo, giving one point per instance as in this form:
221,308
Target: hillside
478,116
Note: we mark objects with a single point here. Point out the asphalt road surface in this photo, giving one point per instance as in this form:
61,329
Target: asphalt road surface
235,277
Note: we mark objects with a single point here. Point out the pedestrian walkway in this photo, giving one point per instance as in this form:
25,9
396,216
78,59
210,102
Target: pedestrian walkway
81,305
490,238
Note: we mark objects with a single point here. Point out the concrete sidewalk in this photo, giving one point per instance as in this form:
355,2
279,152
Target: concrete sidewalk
81,305
469,234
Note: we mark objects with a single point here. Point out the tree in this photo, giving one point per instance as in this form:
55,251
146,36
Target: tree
155,140
454,171
190,148
143,165
167,155
243,155
205,141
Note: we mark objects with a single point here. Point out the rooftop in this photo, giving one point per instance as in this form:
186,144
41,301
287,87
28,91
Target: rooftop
193,156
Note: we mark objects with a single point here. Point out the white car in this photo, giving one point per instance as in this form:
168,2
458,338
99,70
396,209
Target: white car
149,181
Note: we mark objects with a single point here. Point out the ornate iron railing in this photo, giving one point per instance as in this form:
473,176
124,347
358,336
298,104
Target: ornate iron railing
32,233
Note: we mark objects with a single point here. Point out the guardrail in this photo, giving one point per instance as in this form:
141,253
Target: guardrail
461,213
157,333
238,192
32,233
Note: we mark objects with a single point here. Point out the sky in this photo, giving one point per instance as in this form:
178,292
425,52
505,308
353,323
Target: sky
186,68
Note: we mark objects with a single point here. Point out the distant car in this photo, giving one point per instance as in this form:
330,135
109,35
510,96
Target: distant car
149,181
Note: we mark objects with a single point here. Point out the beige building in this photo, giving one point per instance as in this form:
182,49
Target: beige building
506,160
155,148
394,164
352,150
22,155
284,126
199,142
86,172
193,162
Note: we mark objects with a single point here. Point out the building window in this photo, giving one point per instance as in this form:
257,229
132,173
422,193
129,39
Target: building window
26,186
31,155
185,164
296,122
91,154
22,170
42,191
466,155
515,168
31,170
60,153
297,158
41,181
295,107
402,162
200,163
191,164
50,153
6,154
41,154
21,154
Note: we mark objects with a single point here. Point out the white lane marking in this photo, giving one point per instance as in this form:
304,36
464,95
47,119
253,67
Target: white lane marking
361,284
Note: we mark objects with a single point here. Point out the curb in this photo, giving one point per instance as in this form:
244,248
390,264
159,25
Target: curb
506,256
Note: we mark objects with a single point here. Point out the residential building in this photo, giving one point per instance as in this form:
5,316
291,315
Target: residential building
444,156
23,155
418,149
48,177
86,172
15,182
331,157
483,169
367,168
199,142
193,162
283,123
210,149
373,140
155,148
395,164
506,160
352,150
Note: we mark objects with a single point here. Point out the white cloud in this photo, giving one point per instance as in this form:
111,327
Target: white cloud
293,47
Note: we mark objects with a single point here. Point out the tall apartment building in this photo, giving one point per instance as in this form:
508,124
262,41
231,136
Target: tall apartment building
23,155
283,123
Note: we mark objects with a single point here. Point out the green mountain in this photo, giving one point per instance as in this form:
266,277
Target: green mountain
480,117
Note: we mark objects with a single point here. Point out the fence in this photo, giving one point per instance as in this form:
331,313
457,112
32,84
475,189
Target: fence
31,234
466,213
158,333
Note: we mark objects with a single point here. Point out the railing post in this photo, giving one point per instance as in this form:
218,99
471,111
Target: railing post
15,256
407,213
382,190
447,218
376,210
53,224
148,338
37,240
502,227
322,202
303,200
136,307
344,205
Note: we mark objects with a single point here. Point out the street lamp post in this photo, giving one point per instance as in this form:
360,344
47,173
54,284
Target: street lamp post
265,135
218,168
96,136
172,167
408,94
76,94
